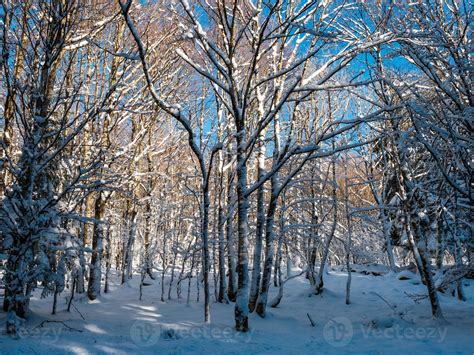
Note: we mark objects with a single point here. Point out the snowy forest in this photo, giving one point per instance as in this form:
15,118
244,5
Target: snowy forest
231,175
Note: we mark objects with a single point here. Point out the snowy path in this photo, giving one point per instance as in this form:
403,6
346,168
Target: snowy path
121,324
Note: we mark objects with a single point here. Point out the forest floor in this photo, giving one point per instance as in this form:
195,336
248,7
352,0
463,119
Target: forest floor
382,318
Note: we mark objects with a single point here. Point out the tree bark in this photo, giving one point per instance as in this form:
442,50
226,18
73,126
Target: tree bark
241,306
257,256
269,239
95,275
416,236
128,252
231,255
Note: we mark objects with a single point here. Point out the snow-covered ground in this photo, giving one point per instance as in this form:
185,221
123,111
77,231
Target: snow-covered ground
381,319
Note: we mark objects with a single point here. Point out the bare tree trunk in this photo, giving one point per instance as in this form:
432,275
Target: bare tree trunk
458,261
182,275
281,238
231,255
79,265
241,306
312,241
319,282
164,266
257,256
205,245
422,259
388,241
348,244
381,200
215,251
93,289
276,301
222,296
173,265
440,236
319,286
148,257
193,258
108,259
128,256
269,239
457,251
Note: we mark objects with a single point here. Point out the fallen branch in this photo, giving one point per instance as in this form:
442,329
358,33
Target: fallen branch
386,302
78,311
417,298
58,321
